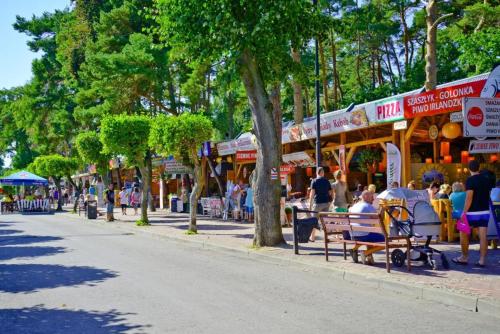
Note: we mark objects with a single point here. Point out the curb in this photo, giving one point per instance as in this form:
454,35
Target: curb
450,298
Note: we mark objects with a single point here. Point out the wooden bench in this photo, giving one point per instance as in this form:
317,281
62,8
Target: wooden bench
336,225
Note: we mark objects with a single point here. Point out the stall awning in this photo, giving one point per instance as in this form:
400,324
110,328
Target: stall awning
23,178
299,159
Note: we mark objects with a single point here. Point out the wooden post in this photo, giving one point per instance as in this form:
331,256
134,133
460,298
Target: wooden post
404,146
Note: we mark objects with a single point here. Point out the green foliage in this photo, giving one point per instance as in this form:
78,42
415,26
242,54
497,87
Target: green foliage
141,222
368,157
55,166
126,135
90,147
180,135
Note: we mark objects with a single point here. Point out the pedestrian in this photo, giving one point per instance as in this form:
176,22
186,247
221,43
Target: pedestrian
249,204
457,199
495,193
109,199
123,200
340,196
395,185
477,212
320,197
433,190
412,185
444,191
359,190
135,199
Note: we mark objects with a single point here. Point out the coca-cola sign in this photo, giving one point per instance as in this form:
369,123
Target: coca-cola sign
475,116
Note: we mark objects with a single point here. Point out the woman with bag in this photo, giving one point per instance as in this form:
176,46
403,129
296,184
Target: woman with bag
476,214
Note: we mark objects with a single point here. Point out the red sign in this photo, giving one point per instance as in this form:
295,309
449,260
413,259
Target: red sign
442,100
246,155
475,116
286,169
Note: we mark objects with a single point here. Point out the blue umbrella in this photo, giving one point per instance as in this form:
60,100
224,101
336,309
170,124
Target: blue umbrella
23,178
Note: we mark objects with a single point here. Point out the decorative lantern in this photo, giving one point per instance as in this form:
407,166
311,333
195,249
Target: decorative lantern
309,171
493,158
445,148
471,158
428,160
451,130
464,155
447,159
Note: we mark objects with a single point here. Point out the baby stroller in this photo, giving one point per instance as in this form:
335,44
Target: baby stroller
422,225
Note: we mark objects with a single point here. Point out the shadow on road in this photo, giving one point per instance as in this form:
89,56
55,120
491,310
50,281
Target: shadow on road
19,278
8,232
41,320
26,239
8,253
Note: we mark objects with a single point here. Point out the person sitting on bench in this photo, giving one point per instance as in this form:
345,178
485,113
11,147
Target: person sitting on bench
365,206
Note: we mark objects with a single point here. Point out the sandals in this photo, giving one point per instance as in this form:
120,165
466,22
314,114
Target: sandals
459,262
477,264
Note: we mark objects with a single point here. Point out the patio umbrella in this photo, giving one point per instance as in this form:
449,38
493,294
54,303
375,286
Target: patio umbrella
399,193
23,178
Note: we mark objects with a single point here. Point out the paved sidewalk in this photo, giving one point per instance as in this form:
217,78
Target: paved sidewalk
466,285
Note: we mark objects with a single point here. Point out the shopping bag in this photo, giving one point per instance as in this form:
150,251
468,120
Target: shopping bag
463,224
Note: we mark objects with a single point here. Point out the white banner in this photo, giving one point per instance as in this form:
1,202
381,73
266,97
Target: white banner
393,165
484,146
481,117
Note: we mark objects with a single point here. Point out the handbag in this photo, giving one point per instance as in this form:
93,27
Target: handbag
463,224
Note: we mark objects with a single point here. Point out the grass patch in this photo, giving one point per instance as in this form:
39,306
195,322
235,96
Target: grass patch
141,222
189,232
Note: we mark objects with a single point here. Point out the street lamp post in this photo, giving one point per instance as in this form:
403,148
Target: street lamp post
318,123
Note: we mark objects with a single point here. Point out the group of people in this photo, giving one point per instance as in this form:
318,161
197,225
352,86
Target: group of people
469,201
241,202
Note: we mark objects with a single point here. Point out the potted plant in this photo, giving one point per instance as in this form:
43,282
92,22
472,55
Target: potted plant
369,159
288,213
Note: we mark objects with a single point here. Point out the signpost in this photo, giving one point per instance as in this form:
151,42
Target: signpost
481,117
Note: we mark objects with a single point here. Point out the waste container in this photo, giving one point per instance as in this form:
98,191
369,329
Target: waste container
173,204
92,209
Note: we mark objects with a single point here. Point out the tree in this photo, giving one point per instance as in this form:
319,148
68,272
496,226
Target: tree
182,137
257,37
55,166
90,150
128,136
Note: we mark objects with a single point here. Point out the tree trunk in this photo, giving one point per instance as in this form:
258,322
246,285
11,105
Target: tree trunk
146,181
59,199
358,63
406,38
217,177
323,75
430,50
267,191
231,106
298,115
480,24
334,76
149,166
195,193
389,66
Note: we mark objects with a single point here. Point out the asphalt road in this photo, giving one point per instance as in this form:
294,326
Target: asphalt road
61,275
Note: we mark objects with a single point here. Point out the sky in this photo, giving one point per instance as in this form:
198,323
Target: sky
15,57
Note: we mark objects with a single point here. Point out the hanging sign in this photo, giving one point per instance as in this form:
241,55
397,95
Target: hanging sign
441,100
393,164
401,125
286,169
433,132
484,146
456,117
298,159
246,155
481,117
245,142
342,163
274,173
173,166
226,147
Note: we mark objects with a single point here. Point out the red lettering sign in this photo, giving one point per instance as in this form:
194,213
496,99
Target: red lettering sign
442,100
475,116
246,156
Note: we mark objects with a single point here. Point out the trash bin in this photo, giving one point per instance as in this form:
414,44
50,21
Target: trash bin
173,204
92,209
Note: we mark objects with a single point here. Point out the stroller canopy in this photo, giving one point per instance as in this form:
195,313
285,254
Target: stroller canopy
23,178
423,213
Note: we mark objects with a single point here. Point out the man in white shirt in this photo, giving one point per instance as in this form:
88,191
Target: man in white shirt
123,200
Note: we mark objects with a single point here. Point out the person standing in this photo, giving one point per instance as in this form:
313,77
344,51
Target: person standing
135,199
109,199
340,201
477,211
123,200
320,197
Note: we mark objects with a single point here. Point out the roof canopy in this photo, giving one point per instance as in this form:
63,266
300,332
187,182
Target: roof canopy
23,178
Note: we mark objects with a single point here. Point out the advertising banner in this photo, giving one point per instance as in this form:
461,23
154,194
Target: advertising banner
385,111
393,164
299,159
245,142
246,155
484,146
343,167
172,166
441,100
226,147
481,117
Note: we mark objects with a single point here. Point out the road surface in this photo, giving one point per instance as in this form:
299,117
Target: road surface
62,275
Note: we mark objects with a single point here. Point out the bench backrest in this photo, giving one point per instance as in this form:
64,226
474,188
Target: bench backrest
337,222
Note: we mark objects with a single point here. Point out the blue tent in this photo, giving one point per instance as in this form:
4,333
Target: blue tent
23,178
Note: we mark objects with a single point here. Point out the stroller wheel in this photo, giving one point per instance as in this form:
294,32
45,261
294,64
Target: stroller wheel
444,262
354,255
398,257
